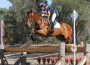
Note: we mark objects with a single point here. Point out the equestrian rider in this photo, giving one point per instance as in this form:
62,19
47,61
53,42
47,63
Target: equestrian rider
46,12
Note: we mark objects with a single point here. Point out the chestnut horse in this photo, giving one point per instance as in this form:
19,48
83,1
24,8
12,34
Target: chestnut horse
63,33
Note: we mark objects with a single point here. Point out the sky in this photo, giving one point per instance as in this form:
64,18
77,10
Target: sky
5,4
49,2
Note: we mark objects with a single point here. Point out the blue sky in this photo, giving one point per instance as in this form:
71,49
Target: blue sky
5,4
49,2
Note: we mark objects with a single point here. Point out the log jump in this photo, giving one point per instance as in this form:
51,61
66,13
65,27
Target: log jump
43,48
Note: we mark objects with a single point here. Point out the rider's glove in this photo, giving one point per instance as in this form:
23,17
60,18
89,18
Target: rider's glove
43,14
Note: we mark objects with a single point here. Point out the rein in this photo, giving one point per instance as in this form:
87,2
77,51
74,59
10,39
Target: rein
45,20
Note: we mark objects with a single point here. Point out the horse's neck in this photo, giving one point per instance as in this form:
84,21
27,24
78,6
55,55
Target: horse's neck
38,19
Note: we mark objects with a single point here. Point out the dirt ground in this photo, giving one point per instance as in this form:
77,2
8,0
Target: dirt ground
31,58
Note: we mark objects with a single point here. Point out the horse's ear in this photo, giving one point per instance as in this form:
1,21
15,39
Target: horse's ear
31,11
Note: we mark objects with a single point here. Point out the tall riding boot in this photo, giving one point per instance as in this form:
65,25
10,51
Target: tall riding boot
52,27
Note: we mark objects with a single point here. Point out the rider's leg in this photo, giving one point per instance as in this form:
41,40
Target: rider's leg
53,17
52,22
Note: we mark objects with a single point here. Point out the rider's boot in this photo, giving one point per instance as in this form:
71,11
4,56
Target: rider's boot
52,27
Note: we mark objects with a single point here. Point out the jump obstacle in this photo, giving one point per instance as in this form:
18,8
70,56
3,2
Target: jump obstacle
62,48
49,48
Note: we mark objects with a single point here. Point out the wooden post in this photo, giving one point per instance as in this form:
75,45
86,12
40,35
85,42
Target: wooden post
62,53
61,61
87,53
2,34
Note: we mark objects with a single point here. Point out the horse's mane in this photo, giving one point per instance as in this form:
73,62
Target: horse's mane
37,15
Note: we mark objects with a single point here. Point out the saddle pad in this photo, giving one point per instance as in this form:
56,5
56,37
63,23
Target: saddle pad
57,25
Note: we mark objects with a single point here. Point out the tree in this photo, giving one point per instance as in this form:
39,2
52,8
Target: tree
15,19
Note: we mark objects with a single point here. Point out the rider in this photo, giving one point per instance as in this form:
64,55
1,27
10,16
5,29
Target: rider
46,12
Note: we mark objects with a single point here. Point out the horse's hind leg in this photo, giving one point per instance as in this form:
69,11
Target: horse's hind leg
63,39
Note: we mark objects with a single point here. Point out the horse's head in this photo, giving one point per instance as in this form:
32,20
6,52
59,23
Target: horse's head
37,18
30,18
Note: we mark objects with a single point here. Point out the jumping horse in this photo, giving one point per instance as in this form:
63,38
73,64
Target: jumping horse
64,33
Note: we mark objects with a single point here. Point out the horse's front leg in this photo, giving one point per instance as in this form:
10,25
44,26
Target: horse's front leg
43,32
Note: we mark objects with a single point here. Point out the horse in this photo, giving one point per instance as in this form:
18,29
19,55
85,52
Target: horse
64,33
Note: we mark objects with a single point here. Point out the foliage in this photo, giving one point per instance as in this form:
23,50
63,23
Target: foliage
15,17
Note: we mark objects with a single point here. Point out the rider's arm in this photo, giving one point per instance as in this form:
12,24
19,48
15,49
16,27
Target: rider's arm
48,14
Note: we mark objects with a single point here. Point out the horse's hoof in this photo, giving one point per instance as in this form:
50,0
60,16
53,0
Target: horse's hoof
40,38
